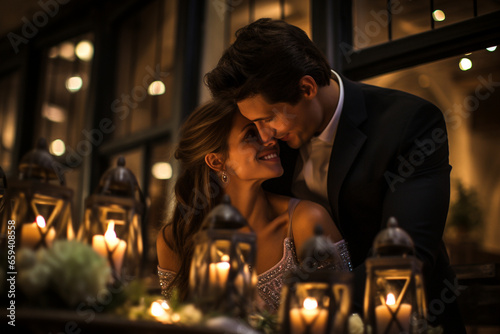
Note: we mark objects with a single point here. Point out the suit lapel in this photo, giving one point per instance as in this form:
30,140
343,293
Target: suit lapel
348,142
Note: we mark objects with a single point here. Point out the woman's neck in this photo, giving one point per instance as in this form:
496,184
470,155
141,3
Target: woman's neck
252,202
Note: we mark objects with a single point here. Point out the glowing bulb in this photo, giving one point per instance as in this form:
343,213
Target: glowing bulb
110,232
67,51
156,88
162,170
84,50
438,15
310,303
491,48
40,221
390,299
74,84
465,64
57,147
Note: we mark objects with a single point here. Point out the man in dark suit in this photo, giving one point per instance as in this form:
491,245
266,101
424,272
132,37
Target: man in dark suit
365,153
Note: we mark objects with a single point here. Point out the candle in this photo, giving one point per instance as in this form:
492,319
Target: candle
218,272
109,243
384,316
31,234
308,319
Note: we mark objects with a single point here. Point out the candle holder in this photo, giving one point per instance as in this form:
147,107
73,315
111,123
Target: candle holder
395,294
38,201
316,297
113,220
221,279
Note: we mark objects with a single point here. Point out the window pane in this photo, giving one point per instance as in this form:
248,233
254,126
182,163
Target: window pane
298,13
454,11
267,8
240,16
146,45
159,178
469,101
9,94
487,6
62,119
370,23
410,18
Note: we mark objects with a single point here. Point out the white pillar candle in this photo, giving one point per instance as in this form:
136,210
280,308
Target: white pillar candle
383,316
308,316
108,242
31,233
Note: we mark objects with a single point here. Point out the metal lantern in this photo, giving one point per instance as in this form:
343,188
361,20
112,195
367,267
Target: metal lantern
38,202
317,297
394,295
113,220
221,278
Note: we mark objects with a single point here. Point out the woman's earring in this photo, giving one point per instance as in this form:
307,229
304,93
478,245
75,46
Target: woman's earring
224,177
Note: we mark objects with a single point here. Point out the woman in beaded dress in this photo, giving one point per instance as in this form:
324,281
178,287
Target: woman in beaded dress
220,152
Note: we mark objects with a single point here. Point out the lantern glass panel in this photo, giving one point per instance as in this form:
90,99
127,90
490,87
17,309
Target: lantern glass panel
396,296
41,217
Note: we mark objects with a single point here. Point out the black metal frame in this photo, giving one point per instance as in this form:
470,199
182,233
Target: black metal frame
332,32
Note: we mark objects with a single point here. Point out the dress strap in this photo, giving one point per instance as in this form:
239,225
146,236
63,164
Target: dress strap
292,204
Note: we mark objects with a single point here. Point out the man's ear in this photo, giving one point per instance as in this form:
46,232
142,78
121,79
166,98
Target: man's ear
214,161
308,86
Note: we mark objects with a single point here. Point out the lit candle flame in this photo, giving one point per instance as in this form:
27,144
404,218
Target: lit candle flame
390,299
40,221
110,232
310,303
225,258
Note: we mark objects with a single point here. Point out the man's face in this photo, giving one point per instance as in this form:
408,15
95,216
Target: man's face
293,124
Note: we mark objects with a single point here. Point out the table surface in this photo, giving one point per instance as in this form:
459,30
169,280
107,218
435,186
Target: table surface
32,320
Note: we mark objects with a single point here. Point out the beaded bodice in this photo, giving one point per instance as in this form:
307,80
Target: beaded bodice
270,282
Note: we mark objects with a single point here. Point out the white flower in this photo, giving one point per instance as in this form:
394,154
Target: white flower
355,324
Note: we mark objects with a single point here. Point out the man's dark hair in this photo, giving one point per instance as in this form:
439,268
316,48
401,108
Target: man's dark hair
269,57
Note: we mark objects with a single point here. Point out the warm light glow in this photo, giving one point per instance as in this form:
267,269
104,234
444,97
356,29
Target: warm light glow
53,52
74,84
57,147
438,15
53,113
84,50
223,265
465,64
491,48
67,51
225,258
156,88
110,232
157,310
424,81
390,299
40,221
162,170
310,303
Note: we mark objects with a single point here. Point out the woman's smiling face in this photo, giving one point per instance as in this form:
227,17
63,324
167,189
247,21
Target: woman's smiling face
248,157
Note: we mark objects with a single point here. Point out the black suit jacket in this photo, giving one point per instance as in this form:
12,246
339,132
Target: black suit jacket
389,158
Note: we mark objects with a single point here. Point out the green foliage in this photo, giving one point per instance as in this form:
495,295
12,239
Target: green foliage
465,212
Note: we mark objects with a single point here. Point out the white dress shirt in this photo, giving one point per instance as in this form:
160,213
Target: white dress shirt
311,173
